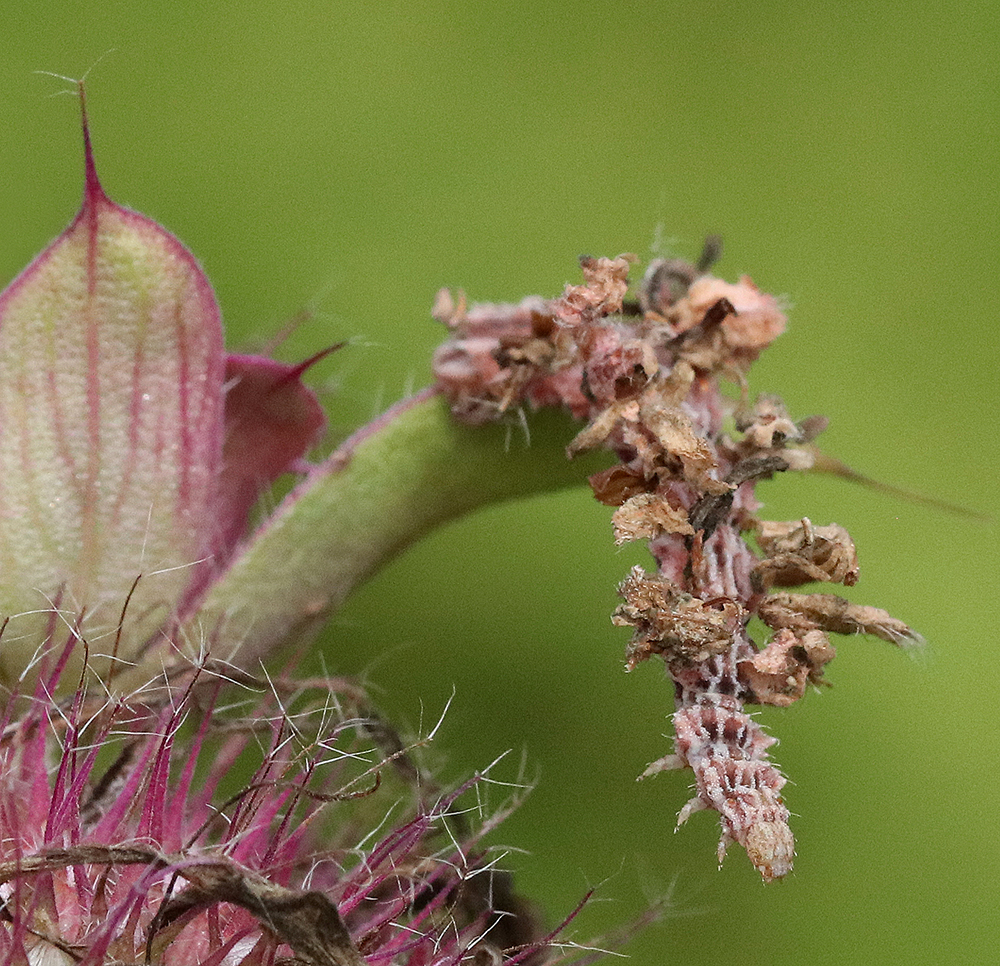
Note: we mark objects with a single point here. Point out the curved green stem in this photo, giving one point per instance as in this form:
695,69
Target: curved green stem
411,470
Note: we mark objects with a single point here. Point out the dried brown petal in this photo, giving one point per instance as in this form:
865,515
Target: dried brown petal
647,515
779,674
606,282
597,433
615,485
767,425
677,438
667,621
805,612
758,320
797,553
445,309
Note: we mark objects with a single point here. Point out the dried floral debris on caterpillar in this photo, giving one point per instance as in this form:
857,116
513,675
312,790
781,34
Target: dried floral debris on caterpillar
645,377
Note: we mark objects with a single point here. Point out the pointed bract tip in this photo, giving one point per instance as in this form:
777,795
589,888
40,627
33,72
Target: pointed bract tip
300,370
92,190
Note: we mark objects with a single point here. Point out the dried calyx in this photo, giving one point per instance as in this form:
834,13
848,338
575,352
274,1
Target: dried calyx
645,376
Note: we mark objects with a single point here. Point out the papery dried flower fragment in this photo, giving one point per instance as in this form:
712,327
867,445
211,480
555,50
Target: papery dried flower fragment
798,552
805,612
647,515
604,288
673,623
779,673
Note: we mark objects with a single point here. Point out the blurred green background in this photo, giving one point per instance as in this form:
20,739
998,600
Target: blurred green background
355,157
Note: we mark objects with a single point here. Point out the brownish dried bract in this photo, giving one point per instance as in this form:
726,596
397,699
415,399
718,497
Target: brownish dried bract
767,425
679,626
446,310
647,515
605,285
798,552
615,485
779,674
678,441
663,392
826,612
660,433
755,322
767,428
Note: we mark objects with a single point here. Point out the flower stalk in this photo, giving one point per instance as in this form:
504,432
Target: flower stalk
394,481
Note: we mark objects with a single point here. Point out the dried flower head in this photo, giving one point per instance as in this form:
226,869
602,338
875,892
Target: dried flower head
170,828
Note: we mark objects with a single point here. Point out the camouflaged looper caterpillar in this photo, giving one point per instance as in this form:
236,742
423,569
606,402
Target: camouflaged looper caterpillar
645,375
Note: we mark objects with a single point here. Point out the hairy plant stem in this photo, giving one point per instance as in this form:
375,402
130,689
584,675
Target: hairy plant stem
411,470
